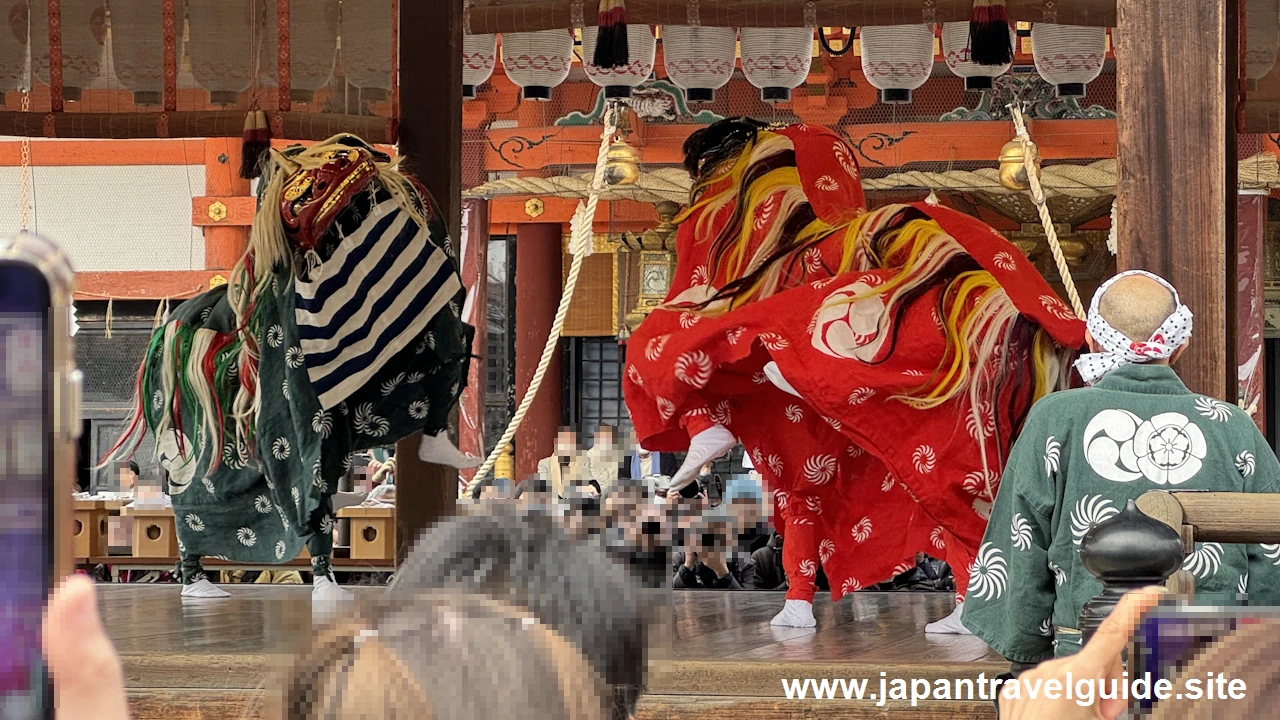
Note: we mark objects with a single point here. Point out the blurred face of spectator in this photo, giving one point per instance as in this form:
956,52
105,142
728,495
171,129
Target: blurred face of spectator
128,478
566,443
604,437
746,512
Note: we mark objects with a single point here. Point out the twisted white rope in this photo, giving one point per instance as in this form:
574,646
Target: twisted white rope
1037,197
582,233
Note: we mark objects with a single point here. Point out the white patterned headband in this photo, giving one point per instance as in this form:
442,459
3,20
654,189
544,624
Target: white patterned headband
1118,349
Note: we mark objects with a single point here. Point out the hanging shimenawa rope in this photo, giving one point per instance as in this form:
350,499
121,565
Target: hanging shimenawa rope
582,235
1029,154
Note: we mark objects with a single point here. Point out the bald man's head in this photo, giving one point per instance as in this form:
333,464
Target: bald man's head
1136,306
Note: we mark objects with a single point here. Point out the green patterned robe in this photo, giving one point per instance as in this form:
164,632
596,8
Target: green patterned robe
1080,457
261,503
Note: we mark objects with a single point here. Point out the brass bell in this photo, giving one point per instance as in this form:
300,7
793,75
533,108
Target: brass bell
1013,172
622,165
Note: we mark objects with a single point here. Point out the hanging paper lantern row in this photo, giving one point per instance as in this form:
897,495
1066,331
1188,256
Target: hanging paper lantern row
776,60
367,47
479,55
956,45
617,81
137,48
897,59
537,61
1069,56
313,47
699,60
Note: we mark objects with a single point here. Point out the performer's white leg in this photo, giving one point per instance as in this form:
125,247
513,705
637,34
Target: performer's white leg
795,613
439,450
703,448
949,625
772,372
204,589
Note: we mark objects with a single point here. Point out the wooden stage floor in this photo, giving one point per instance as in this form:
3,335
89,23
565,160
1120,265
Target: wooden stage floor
718,658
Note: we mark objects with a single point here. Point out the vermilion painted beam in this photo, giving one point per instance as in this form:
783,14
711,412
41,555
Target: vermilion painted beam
882,145
144,284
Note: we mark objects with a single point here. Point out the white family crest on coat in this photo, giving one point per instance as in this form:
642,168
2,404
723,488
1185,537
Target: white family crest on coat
1168,449
848,325
1020,532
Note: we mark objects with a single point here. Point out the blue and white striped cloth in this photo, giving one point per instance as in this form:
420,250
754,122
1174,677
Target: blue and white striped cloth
370,300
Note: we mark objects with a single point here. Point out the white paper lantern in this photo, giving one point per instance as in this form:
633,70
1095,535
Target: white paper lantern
699,60
479,55
537,61
367,47
13,45
313,47
1262,37
84,29
955,50
1069,56
617,82
897,59
776,60
222,45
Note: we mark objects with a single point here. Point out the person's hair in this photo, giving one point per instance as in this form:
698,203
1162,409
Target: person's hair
1136,320
133,467
443,655
605,427
531,485
531,561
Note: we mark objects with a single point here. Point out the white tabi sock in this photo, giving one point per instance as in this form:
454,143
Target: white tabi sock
439,450
795,613
328,598
203,589
703,448
949,625
772,372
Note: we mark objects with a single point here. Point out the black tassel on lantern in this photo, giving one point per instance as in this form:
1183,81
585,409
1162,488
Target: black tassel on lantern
990,42
612,48
255,143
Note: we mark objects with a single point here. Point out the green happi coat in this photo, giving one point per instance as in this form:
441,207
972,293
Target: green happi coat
1080,457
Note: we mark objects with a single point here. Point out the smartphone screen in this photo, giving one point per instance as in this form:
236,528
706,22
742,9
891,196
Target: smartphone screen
26,499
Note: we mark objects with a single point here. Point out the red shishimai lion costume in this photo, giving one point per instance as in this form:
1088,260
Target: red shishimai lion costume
914,340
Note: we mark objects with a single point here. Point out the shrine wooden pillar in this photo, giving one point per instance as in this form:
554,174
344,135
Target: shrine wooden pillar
430,81
1176,86
538,272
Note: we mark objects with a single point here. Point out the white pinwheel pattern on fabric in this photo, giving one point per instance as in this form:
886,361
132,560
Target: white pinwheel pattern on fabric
1089,511
247,537
1059,576
694,368
1052,455
1020,532
275,336
862,530
793,413
990,573
322,424
860,395
924,459
1245,463
262,504
194,522
826,549
1271,552
418,409
280,449
293,357
1168,449
370,424
820,469
937,539
1213,409
1204,561
1046,628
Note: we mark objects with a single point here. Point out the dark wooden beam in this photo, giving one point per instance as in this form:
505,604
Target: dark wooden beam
430,43
1177,162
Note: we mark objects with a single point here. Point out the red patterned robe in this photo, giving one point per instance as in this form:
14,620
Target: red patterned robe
862,480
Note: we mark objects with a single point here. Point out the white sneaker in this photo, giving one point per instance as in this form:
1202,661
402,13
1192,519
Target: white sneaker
949,625
328,598
796,614
203,589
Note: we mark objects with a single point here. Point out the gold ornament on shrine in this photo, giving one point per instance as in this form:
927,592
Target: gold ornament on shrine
217,211
1013,171
622,162
657,262
534,207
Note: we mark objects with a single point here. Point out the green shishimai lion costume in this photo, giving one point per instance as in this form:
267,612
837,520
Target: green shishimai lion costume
339,331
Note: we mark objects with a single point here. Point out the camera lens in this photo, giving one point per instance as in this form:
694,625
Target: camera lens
651,527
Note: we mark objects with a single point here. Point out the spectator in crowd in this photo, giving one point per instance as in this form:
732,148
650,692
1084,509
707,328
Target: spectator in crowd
641,464
707,562
568,466
606,458
533,491
128,474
